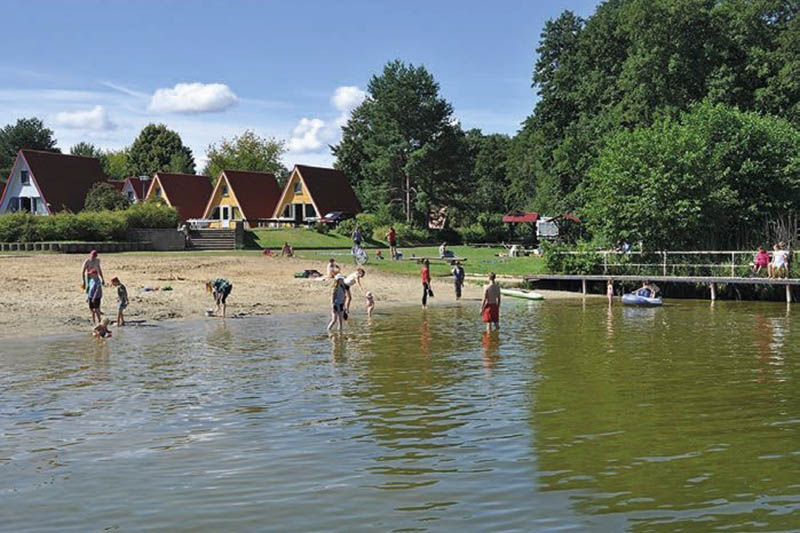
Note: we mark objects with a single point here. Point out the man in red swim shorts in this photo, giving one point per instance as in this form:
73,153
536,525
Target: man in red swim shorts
490,304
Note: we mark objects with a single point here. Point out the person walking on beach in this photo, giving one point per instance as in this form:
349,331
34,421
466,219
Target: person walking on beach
490,304
392,238
220,288
339,298
94,294
92,262
122,298
458,278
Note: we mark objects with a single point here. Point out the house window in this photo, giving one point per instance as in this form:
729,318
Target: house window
158,192
224,191
13,204
24,178
215,214
235,213
298,187
288,212
130,196
310,211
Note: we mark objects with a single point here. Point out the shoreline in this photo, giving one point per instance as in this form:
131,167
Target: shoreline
42,294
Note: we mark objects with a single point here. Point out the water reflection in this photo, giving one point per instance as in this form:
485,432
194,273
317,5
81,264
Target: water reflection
576,416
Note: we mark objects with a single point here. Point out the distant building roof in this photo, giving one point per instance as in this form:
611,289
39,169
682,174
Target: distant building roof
188,193
117,184
139,185
528,218
329,189
256,192
63,180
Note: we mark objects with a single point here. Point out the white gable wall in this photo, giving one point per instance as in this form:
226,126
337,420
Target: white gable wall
16,190
127,192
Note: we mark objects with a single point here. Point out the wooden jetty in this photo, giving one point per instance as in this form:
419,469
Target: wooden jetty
711,281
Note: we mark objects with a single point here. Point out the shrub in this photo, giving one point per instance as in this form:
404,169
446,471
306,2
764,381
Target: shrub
103,196
320,227
586,260
346,227
151,214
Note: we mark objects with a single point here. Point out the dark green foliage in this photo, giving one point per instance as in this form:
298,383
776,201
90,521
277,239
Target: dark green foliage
159,149
27,133
115,164
492,192
707,180
89,150
86,225
634,62
103,196
402,146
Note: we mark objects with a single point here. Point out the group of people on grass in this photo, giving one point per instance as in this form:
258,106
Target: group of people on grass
777,266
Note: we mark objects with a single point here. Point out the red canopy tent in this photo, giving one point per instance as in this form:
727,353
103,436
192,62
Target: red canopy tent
528,218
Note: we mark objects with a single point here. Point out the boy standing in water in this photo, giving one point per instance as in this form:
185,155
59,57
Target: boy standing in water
490,304
122,298
94,294
458,278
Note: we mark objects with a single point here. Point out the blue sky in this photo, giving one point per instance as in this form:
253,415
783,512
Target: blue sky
100,70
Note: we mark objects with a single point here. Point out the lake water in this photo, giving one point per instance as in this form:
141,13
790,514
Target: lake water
573,417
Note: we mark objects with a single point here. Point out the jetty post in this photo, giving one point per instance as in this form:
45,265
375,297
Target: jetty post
713,291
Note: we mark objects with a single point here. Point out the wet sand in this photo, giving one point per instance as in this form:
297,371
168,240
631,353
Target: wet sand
41,293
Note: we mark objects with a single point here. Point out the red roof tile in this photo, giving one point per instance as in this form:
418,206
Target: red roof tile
256,192
329,189
188,193
63,179
521,217
117,184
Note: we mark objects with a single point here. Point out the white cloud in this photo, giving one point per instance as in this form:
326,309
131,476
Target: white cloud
347,98
315,134
308,136
193,98
95,119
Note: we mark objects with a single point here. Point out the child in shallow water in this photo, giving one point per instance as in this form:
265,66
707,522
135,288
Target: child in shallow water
101,330
370,303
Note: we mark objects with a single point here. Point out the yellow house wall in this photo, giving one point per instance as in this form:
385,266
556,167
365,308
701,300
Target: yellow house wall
291,198
220,200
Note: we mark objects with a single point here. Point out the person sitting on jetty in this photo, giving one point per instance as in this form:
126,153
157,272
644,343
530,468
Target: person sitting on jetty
778,264
286,250
761,261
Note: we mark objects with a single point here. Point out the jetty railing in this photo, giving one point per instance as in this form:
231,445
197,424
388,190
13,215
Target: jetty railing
729,263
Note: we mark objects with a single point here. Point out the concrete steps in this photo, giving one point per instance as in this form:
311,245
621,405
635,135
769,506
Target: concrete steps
210,239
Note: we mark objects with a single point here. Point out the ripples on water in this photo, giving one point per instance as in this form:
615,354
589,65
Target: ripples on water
573,417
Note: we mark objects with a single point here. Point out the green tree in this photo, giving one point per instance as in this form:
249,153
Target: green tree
28,133
158,148
403,146
89,150
706,180
116,164
103,196
246,152
491,193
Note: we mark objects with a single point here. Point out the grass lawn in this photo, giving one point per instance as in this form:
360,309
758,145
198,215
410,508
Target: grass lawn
479,261
302,238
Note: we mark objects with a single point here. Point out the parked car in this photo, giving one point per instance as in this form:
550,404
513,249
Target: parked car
334,217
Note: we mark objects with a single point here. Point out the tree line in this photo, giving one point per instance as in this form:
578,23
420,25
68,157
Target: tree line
155,149
673,122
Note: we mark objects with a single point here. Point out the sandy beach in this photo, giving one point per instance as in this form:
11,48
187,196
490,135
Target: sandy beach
41,293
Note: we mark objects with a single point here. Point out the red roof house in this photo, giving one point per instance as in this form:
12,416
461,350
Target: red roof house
47,182
135,188
188,193
313,192
241,195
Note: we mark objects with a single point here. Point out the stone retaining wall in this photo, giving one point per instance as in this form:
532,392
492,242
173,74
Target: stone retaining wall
75,247
162,240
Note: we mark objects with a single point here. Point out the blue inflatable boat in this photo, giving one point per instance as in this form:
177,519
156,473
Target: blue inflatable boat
635,299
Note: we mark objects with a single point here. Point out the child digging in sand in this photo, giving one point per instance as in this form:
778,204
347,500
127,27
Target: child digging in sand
101,330
122,298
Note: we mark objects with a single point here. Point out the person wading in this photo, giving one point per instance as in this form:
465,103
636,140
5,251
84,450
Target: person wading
490,304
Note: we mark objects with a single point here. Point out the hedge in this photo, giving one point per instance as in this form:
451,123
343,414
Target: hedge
86,225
